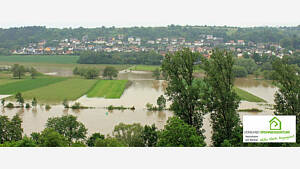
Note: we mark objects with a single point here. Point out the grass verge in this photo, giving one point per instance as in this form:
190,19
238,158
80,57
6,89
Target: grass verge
247,96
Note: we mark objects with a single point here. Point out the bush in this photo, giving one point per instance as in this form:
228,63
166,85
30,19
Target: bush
27,106
47,107
10,105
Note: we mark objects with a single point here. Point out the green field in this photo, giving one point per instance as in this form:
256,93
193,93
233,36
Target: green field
144,67
109,89
12,86
70,89
61,59
244,95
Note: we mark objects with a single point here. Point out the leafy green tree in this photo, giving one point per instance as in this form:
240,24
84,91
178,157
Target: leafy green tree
239,71
20,99
110,72
68,126
223,101
177,133
150,136
183,89
34,102
10,130
109,142
287,98
91,73
18,70
161,102
156,74
91,140
248,64
33,72
256,74
130,134
51,138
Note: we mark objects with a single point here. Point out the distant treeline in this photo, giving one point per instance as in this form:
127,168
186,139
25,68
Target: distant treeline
13,38
145,58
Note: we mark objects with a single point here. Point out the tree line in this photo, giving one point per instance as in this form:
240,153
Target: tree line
146,58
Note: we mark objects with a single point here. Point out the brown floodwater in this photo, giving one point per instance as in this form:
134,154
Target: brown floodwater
143,89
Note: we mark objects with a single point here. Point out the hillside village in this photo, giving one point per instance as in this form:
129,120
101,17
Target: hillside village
163,45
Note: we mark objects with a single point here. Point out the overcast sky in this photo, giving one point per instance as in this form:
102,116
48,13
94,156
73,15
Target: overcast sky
126,13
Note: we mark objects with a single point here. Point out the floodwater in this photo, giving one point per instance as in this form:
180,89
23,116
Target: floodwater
143,89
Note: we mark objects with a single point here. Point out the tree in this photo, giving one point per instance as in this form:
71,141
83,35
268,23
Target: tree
34,102
20,99
161,102
183,89
256,74
3,102
248,64
18,70
287,98
91,73
65,103
91,140
110,72
130,134
10,130
25,142
33,72
239,71
156,74
51,138
68,126
223,101
150,136
177,133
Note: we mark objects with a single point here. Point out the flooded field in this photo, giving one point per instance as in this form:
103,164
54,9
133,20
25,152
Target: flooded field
143,89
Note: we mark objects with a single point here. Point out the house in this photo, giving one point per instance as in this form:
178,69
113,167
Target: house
275,124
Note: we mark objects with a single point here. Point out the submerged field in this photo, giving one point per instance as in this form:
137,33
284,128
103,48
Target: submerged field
109,89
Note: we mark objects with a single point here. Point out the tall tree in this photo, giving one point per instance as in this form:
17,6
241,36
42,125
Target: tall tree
183,89
131,134
287,98
222,100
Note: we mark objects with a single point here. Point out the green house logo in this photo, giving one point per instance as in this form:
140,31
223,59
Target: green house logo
275,124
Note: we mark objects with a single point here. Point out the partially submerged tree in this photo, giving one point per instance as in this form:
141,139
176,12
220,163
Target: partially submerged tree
183,89
20,99
156,74
161,102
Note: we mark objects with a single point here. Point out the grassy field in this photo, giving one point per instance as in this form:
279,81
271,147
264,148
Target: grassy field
144,67
12,86
61,59
70,89
108,89
248,96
